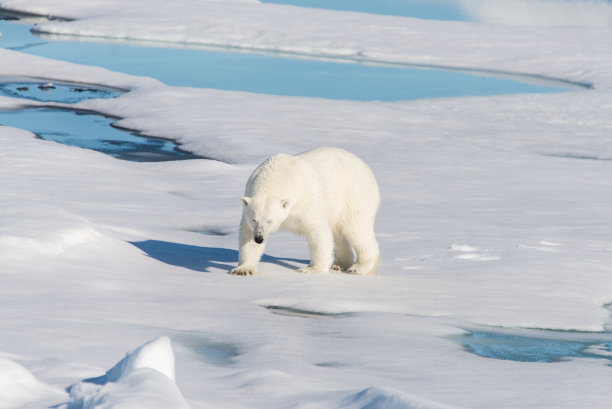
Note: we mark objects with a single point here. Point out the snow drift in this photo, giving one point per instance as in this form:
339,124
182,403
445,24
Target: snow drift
19,387
386,398
143,379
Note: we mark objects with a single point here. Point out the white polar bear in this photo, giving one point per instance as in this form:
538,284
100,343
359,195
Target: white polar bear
326,194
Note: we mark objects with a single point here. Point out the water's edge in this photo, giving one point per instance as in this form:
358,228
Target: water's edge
38,99
534,79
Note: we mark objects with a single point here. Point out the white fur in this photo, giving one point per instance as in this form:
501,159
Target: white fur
326,194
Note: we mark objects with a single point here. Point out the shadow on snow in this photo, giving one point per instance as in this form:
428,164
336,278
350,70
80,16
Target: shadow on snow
202,258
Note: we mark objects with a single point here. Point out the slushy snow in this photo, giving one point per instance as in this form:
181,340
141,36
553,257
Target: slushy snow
495,212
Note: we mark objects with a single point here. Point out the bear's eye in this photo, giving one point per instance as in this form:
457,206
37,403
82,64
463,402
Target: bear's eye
269,221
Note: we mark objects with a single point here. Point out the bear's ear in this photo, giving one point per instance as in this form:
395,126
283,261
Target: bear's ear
286,203
245,200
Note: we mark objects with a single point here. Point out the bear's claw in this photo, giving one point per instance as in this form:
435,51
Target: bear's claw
243,271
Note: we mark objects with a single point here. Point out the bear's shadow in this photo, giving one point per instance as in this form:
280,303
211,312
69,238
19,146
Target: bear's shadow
202,258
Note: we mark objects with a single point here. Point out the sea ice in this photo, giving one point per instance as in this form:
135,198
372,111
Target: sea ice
144,379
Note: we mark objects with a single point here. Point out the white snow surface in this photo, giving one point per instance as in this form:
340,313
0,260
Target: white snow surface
143,379
156,354
540,12
496,212
19,386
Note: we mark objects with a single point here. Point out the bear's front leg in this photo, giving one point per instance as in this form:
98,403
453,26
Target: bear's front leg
321,243
249,252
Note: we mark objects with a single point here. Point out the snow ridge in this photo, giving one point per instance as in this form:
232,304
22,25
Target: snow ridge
143,379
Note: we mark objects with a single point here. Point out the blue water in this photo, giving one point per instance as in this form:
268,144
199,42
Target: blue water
81,128
522,348
266,74
87,130
425,9
269,74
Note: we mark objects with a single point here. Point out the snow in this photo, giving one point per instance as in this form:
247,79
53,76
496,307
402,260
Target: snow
375,397
541,12
495,213
144,378
144,388
156,354
18,385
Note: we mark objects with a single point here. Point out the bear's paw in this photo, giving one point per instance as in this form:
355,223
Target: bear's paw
311,270
244,271
360,269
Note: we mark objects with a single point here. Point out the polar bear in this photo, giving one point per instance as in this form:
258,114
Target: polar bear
328,195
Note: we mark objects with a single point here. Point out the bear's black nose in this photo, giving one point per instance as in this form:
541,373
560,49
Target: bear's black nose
258,239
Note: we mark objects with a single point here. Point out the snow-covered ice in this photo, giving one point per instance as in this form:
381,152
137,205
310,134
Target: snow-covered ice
19,386
495,213
144,378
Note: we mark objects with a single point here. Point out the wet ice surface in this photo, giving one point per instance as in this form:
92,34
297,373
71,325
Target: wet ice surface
215,69
537,346
302,313
270,73
81,128
91,131
210,350
46,91
427,9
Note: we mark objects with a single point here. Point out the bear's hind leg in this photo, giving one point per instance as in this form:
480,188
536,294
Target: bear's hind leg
345,256
368,255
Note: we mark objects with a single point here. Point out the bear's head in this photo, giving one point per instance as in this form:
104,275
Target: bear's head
265,215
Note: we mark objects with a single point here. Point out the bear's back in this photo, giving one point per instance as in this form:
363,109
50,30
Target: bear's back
332,175
341,168
348,181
